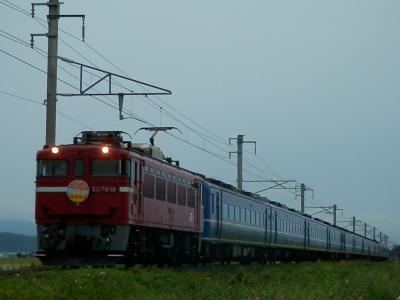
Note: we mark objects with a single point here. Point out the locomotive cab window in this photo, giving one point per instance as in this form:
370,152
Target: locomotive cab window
135,173
111,167
52,168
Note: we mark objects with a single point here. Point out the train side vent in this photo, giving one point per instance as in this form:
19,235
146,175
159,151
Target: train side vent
149,150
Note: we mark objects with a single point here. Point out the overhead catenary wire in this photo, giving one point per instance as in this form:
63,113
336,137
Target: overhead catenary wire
42,22
59,79
157,107
42,104
115,107
15,7
219,139
41,52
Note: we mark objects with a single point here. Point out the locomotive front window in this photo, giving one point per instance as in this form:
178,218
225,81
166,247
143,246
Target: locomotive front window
52,168
111,167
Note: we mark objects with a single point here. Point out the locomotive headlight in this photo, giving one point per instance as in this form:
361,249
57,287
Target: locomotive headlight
105,149
55,150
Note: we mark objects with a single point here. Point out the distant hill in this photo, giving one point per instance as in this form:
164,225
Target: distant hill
12,242
17,226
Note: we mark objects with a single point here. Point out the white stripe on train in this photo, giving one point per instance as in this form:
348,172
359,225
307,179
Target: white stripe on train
62,189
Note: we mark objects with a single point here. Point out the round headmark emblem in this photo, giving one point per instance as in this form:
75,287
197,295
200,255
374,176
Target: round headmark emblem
78,191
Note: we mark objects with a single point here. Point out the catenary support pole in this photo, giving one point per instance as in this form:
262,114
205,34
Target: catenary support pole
302,192
52,57
51,100
334,214
240,162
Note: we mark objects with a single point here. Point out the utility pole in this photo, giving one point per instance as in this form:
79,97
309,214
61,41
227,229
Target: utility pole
374,232
51,102
334,214
365,229
239,153
303,189
52,56
240,161
354,224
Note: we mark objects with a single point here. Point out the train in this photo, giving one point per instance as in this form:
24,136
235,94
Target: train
104,200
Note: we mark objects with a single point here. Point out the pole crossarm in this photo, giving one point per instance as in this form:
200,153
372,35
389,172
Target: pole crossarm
279,184
54,16
326,210
270,180
324,207
109,77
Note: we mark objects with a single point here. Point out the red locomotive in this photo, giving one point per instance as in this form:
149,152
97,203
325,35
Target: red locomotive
101,200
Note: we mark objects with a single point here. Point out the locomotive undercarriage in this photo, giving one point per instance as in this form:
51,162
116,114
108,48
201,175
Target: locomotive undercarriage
107,245
153,246
76,245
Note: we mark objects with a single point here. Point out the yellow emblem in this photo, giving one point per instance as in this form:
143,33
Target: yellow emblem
78,191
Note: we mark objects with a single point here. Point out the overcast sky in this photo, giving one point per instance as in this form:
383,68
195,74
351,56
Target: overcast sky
315,83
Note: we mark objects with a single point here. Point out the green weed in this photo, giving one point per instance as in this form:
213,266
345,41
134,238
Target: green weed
321,280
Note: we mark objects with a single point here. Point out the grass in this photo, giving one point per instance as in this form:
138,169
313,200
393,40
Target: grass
321,280
12,264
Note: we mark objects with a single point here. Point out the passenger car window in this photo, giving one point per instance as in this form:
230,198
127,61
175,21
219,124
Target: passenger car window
248,216
237,214
231,212
225,213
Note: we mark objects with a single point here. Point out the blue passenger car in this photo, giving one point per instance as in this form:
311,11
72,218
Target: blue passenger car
242,226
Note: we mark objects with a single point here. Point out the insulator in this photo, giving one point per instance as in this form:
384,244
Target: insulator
83,32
